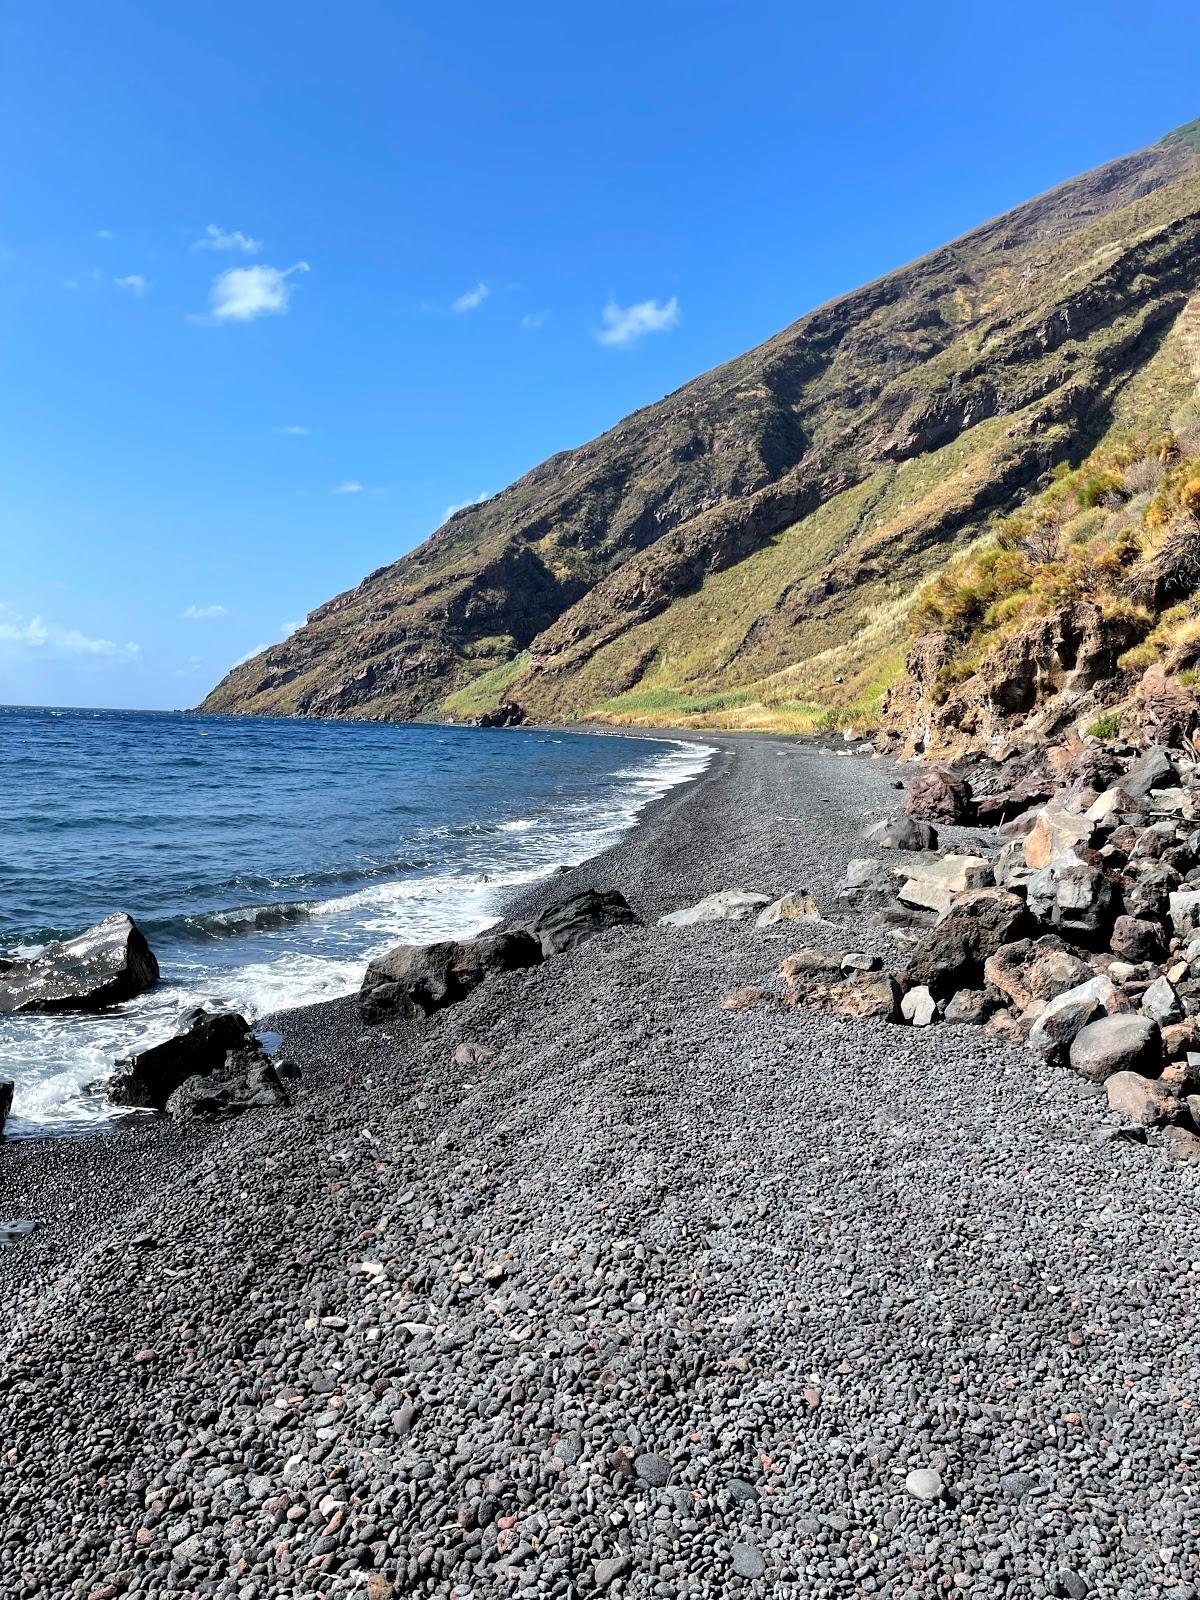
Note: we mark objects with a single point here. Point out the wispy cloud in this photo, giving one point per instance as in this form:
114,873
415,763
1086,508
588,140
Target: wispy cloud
462,506
105,233
70,283
625,324
290,627
216,238
533,320
134,282
295,429
472,300
243,293
349,486
250,654
29,634
190,666
204,613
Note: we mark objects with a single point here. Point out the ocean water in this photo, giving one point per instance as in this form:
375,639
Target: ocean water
267,861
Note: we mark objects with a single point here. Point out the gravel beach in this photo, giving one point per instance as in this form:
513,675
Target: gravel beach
665,1300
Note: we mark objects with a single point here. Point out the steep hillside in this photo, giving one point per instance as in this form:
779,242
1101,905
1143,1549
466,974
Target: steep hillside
748,547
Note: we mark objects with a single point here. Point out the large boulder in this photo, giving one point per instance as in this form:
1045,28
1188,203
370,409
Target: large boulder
1137,939
951,956
151,1077
939,795
797,906
1078,899
246,1080
1056,833
1155,770
566,925
727,905
1061,1019
863,994
936,882
902,833
1034,969
1142,1100
415,980
100,967
1185,912
1122,1043
811,965
6,1099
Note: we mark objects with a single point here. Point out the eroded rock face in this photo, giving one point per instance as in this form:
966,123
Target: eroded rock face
416,980
100,967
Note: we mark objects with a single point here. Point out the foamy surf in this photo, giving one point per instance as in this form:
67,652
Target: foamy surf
275,954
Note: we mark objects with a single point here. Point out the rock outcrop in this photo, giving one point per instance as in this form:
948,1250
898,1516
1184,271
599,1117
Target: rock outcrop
100,967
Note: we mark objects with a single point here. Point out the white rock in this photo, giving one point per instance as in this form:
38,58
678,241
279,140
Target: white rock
919,1007
727,905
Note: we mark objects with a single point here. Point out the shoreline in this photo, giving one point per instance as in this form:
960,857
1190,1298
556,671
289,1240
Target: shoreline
658,1294
53,1178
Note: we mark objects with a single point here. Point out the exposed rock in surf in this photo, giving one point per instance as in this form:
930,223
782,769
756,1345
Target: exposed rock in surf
152,1076
100,967
6,1099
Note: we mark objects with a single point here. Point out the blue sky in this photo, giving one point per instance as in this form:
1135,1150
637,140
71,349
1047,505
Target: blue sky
280,283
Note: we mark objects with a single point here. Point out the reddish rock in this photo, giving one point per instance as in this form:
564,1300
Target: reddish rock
1137,939
1142,1100
939,796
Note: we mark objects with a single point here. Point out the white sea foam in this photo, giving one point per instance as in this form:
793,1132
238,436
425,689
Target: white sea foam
61,1063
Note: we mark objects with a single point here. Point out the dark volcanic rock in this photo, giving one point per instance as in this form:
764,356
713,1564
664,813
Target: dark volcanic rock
244,1081
6,1098
414,980
568,924
100,967
951,955
939,796
200,1047
1137,939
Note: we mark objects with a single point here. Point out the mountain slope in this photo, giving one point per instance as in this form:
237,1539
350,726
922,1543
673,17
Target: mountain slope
756,536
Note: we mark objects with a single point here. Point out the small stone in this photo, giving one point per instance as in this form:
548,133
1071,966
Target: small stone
1017,1484
747,1561
652,1469
1071,1586
924,1484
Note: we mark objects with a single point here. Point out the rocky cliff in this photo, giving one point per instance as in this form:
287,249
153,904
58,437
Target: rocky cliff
748,548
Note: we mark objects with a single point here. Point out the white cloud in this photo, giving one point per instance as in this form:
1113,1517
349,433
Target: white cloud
295,429
134,282
472,300
350,486
48,638
533,320
190,666
622,325
217,239
204,613
70,283
462,506
105,233
250,655
290,627
243,293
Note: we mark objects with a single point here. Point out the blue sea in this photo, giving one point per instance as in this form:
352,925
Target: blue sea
268,860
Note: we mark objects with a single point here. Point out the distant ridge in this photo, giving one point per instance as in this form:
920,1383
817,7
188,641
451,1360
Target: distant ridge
748,548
